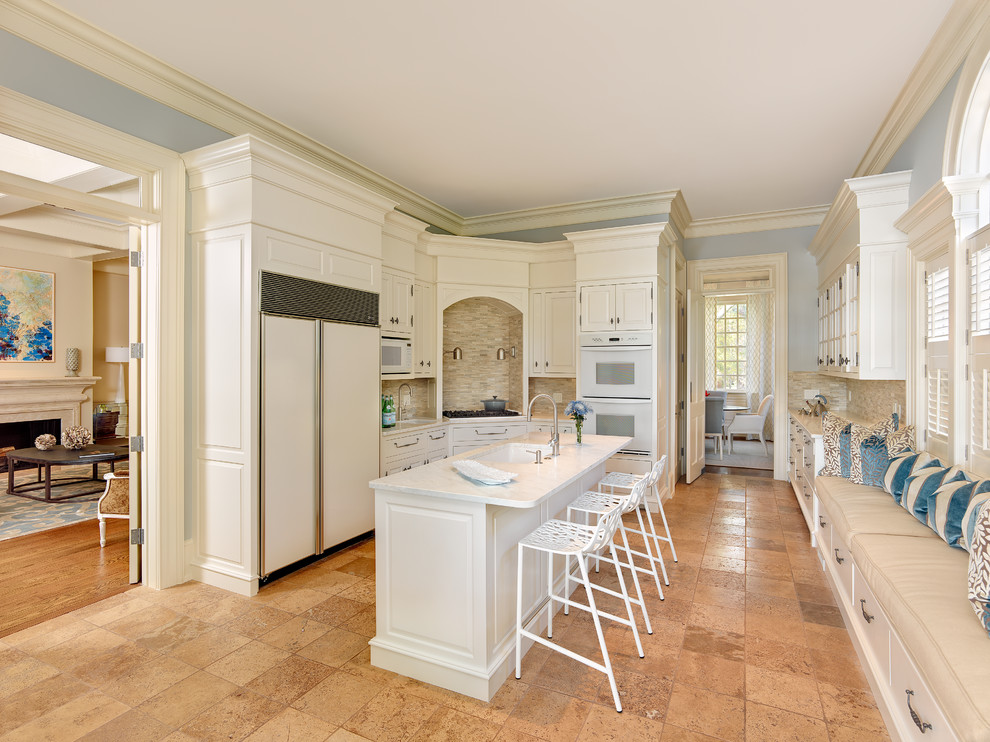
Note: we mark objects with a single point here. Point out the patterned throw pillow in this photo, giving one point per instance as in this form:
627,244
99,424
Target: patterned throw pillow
969,519
979,567
903,466
900,441
860,433
874,458
832,428
919,487
947,507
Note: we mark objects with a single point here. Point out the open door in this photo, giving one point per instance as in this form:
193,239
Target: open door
695,453
135,390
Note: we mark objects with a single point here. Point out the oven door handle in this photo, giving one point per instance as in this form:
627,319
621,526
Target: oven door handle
614,348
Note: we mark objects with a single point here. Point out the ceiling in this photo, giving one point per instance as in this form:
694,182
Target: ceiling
493,107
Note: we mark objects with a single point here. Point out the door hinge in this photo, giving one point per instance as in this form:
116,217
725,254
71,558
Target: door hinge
924,435
682,311
412,318
857,358
840,283
682,404
137,350
137,537
967,372
137,259
137,443
682,450
651,318
682,358
410,291
857,267
966,452
924,370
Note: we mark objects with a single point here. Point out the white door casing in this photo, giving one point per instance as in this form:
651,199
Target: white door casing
695,449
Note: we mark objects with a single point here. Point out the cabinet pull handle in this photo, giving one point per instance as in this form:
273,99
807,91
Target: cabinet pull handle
617,320
536,364
821,522
439,437
420,363
922,725
547,364
862,607
838,559
478,432
405,445
611,320
428,363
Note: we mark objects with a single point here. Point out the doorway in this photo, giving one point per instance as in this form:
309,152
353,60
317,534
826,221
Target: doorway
737,362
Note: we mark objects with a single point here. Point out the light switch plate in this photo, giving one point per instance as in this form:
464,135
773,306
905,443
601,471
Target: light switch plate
558,397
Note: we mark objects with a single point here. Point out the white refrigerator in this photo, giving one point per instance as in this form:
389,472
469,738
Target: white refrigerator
320,428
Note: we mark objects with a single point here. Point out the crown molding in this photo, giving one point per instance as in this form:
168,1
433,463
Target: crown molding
70,37
582,212
946,52
624,238
483,248
765,221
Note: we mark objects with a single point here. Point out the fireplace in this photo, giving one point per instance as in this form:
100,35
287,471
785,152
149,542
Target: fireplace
22,434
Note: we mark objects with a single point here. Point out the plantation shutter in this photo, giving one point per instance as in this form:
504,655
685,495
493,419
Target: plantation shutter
979,358
939,390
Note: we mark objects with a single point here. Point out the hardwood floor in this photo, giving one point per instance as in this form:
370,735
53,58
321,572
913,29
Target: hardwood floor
46,574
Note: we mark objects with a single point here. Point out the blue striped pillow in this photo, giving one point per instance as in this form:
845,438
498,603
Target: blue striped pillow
903,466
920,486
947,507
873,460
970,518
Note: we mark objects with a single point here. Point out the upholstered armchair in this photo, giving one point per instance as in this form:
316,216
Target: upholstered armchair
751,424
114,502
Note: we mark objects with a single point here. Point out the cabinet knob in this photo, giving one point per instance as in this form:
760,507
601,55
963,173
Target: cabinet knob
611,320
547,364
428,364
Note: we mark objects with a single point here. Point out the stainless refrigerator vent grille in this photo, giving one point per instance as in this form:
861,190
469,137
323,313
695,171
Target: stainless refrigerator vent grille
300,297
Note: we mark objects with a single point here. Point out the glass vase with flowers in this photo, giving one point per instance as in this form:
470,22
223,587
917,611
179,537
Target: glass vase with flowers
578,411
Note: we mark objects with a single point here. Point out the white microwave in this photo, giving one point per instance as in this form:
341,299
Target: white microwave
396,356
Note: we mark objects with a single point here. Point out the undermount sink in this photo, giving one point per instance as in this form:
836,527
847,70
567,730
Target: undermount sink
514,453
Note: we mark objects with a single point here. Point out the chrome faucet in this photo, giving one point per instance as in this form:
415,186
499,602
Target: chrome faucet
399,395
555,438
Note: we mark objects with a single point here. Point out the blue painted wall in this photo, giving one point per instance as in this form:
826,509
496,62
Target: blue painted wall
44,76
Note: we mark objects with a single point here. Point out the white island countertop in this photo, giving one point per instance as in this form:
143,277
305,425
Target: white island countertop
535,482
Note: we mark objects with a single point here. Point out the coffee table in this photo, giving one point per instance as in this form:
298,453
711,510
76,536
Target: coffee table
59,456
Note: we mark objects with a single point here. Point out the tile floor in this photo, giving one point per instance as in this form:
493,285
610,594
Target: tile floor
748,645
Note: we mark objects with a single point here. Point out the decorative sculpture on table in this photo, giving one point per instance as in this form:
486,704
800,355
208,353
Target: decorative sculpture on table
75,437
45,442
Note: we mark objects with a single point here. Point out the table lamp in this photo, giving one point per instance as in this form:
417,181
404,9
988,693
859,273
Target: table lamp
121,356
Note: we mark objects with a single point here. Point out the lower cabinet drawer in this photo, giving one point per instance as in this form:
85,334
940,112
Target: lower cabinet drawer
873,624
437,455
841,563
396,465
913,704
485,433
402,446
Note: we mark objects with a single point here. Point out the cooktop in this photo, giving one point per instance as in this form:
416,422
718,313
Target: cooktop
480,413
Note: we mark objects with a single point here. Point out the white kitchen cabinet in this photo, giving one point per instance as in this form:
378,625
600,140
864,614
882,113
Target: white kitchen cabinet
478,433
404,451
806,457
553,333
563,426
862,271
396,304
616,306
424,331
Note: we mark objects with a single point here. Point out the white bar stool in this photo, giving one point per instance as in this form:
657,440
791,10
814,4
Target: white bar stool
598,503
622,480
563,538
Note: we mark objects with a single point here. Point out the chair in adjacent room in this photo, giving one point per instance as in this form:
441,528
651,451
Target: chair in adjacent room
714,419
114,502
752,423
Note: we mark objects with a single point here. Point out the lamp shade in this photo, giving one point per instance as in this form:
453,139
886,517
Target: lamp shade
118,355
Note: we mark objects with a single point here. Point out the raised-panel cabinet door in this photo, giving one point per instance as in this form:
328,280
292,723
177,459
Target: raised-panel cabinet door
634,306
424,331
402,304
598,308
560,338
537,330
385,316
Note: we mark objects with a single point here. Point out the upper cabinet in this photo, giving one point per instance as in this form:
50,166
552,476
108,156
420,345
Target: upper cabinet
396,304
616,306
553,333
424,330
862,269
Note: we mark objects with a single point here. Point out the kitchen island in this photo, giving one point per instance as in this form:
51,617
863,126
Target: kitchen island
445,550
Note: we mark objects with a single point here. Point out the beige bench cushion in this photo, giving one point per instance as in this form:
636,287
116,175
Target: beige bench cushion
921,585
856,508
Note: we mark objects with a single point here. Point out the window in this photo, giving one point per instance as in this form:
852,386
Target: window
731,361
979,361
938,392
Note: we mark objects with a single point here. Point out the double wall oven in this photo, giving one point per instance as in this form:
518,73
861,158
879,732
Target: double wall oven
617,381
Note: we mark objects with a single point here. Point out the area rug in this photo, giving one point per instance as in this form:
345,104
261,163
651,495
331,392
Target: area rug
20,516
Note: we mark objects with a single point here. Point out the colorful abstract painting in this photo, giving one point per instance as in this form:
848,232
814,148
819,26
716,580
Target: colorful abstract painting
27,315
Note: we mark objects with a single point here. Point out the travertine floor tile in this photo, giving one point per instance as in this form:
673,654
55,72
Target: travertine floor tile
707,712
604,725
292,725
188,698
391,715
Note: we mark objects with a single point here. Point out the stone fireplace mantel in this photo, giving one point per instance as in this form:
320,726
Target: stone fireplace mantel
45,398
